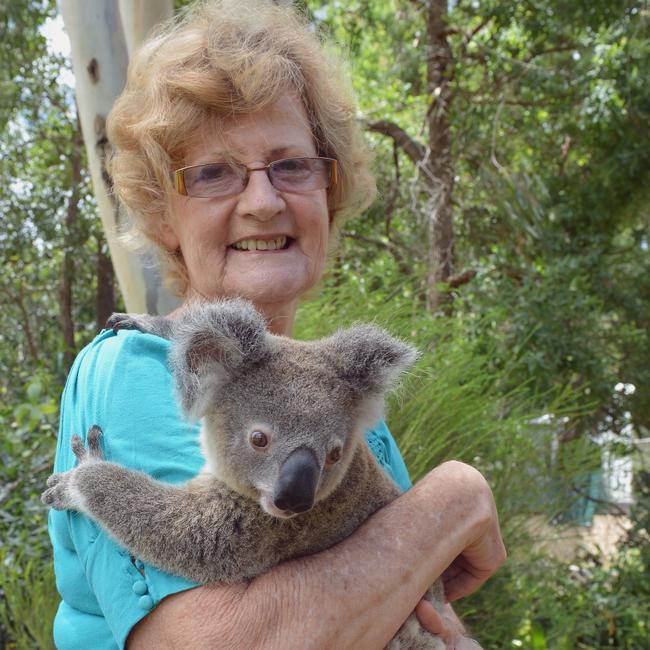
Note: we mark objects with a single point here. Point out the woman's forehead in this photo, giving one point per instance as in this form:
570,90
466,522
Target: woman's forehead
279,130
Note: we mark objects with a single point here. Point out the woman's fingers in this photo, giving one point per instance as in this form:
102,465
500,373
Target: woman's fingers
431,619
463,577
447,626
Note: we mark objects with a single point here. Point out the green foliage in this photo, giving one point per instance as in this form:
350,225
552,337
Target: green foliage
462,401
584,604
548,119
38,190
538,603
22,46
26,447
28,603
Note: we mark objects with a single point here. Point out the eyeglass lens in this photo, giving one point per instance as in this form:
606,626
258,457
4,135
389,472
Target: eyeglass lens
290,175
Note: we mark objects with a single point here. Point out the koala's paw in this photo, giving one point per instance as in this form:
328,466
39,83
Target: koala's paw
120,321
61,493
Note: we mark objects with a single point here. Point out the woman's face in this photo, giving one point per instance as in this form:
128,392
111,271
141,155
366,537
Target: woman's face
220,237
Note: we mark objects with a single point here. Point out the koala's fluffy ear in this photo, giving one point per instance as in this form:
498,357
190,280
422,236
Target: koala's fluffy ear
368,358
210,341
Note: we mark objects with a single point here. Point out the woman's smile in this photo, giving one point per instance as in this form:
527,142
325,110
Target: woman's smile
266,244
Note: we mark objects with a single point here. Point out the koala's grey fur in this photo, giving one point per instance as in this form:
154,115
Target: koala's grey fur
307,397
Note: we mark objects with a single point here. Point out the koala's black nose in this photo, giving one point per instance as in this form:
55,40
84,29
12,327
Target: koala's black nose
296,486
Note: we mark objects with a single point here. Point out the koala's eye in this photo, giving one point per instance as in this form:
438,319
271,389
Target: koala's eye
334,456
259,439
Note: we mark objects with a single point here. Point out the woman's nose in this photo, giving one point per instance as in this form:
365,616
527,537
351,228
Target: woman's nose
260,199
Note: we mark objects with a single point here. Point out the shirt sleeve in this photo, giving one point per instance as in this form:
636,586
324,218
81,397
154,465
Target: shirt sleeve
122,383
383,446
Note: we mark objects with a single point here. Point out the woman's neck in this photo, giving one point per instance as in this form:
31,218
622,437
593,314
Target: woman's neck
279,317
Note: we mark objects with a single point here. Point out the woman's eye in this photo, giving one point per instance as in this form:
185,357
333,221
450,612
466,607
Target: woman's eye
292,166
214,173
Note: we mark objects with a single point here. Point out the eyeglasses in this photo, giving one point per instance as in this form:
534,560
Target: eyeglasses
226,179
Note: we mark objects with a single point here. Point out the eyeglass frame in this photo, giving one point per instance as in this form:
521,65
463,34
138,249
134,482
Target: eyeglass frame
179,175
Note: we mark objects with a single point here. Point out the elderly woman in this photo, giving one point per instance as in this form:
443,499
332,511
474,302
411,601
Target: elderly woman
237,155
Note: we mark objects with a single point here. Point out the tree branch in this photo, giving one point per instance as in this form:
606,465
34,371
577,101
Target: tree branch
413,149
391,247
439,167
550,104
460,279
566,148
20,303
471,34
604,502
550,50
105,292
72,240
394,192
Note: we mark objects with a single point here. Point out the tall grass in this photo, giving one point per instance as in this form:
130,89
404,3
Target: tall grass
464,401
28,603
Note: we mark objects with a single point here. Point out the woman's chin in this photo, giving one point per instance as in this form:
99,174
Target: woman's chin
266,278
273,289
272,285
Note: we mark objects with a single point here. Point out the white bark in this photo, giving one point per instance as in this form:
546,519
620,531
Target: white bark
99,60
140,16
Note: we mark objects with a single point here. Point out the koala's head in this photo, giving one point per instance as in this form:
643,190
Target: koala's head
281,418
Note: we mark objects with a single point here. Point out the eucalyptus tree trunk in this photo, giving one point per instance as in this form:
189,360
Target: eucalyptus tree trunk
99,59
433,158
439,168
72,242
140,16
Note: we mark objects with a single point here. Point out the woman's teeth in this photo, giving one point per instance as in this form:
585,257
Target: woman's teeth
260,244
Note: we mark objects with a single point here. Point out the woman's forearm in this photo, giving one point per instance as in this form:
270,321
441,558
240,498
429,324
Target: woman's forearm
355,594
358,593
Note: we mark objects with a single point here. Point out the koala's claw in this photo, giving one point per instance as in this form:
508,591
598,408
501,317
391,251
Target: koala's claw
78,447
94,450
93,435
53,480
119,321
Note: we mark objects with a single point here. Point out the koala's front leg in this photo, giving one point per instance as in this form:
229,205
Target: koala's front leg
193,533
157,325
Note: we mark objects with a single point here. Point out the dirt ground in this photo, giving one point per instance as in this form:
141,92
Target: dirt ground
601,538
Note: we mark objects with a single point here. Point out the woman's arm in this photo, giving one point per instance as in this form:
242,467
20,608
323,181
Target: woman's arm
355,594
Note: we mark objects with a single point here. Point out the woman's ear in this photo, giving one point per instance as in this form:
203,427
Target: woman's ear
167,235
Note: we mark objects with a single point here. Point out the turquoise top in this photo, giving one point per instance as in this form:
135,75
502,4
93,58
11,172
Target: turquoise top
122,383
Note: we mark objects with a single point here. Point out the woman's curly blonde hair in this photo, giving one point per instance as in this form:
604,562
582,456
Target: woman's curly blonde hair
220,59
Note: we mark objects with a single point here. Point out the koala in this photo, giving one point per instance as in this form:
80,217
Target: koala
286,472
